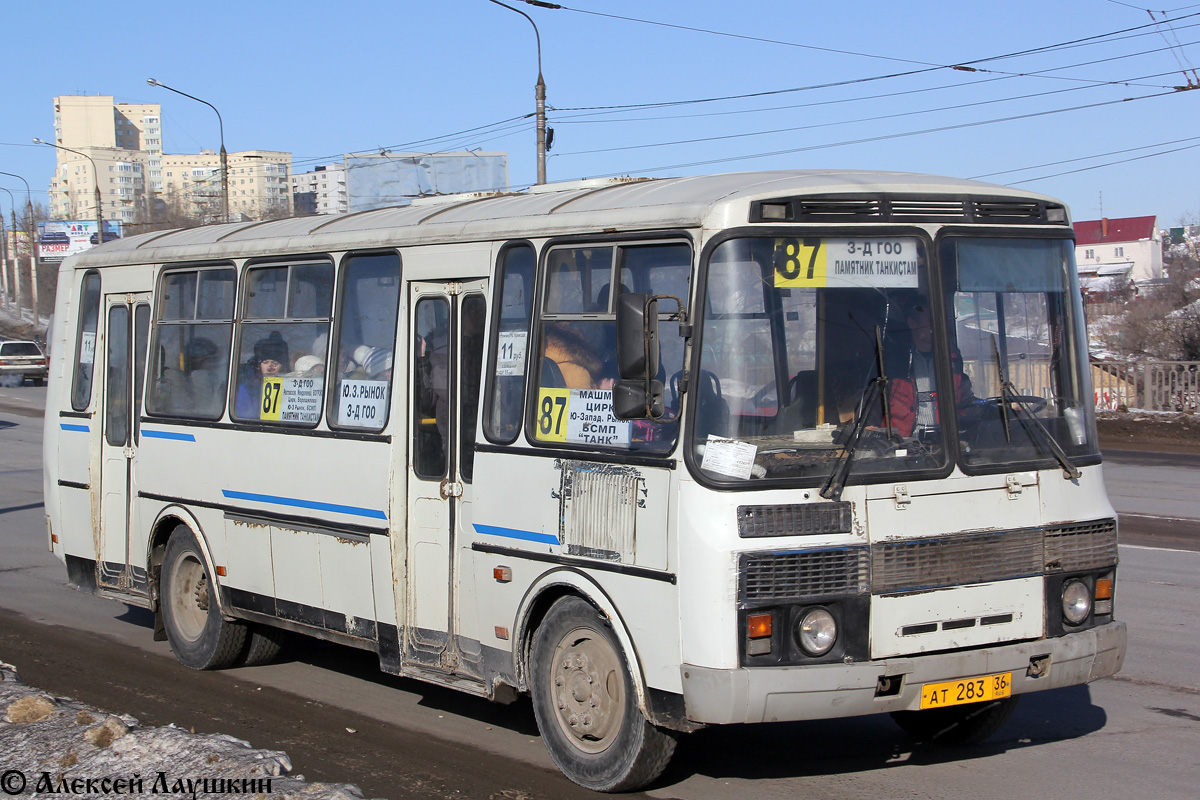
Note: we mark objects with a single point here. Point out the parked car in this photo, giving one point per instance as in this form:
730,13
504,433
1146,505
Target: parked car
108,237
23,359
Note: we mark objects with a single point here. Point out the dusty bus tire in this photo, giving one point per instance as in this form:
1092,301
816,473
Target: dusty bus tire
957,726
585,704
199,637
263,644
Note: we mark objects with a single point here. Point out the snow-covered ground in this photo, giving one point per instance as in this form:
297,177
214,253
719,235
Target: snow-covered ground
55,745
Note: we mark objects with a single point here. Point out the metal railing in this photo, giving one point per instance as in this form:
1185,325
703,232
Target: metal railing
1147,385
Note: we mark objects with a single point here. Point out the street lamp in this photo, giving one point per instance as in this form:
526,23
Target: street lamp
224,157
96,173
32,242
540,92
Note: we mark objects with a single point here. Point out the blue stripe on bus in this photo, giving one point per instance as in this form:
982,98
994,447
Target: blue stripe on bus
512,533
298,503
70,427
179,437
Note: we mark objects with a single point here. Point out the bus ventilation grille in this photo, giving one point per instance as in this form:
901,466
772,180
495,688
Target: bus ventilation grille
1081,546
803,575
909,209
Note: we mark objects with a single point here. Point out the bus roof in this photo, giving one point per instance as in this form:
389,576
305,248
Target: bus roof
596,205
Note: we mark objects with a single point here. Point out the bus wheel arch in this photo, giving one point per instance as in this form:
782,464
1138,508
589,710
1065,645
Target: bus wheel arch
189,603
588,690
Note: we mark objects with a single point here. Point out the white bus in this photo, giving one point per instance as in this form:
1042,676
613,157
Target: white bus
660,453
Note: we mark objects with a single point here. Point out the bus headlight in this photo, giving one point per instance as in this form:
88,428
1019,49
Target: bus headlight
1076,601
816,631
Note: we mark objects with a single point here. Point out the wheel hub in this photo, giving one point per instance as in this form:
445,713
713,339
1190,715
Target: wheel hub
589,693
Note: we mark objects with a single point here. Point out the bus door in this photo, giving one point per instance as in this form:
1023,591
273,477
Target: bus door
446,335
126,328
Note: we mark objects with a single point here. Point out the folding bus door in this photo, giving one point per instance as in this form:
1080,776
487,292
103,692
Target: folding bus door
126,327
446,326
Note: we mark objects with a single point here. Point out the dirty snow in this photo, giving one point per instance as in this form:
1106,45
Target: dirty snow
56,745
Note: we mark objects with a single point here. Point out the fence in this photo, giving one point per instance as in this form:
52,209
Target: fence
1148,385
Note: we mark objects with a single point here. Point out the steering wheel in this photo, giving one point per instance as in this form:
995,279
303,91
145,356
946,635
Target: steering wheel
1033,402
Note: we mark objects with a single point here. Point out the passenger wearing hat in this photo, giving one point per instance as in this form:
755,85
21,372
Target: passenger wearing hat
269,358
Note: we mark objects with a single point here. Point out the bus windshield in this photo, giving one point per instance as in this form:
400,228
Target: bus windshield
819,350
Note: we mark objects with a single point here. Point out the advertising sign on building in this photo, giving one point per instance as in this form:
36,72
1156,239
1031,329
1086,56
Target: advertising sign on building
58,239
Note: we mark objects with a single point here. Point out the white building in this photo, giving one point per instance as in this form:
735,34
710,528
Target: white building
322,191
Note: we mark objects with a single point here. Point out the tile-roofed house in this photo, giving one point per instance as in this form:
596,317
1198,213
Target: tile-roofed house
1127,249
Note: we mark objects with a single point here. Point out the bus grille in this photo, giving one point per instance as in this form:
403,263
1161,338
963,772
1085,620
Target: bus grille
954,560
1083,546
909,208
922,564
804,574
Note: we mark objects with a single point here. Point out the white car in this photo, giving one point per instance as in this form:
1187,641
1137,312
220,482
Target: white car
23,359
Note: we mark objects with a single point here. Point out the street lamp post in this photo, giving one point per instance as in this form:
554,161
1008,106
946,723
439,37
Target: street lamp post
4,246
540,93
32,244
224,156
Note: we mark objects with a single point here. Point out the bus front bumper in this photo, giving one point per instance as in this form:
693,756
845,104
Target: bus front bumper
777,694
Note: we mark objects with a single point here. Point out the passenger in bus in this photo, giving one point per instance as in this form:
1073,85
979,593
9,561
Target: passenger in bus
269,357
912,386
205,373
575,357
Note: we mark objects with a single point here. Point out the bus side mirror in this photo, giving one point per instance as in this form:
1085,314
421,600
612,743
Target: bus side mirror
637,336
636,400
637,395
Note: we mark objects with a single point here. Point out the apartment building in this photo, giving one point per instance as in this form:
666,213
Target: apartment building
259,184
123,141
322,191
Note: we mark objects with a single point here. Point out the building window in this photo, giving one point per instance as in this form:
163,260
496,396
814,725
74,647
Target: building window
1119,252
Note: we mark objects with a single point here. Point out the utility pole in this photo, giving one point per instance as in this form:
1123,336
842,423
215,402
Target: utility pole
540,91
33,276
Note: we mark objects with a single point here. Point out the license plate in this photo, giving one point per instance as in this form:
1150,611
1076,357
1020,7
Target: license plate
966,690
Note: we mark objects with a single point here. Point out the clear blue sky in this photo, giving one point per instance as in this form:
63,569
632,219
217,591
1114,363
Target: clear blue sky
322,79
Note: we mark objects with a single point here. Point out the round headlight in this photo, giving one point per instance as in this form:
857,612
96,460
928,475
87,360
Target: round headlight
1076,601
816,631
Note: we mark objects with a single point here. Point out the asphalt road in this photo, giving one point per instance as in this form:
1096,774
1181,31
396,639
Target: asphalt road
340,719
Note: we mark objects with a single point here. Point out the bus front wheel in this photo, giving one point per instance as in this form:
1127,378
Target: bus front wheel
199,637
585,704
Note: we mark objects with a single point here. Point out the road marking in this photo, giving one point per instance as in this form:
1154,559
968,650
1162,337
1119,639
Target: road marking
1155,516
1148,547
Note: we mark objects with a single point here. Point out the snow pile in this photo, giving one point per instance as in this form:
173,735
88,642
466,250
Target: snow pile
55,745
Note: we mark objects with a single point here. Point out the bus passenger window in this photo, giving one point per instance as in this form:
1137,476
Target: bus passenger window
366,335
506,395
193,332
283,341
85,344
576,357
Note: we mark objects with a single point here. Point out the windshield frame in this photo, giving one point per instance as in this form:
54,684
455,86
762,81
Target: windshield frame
942,317
1076,332
700,307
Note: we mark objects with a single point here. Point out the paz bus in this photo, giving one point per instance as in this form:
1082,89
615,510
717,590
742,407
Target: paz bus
661,454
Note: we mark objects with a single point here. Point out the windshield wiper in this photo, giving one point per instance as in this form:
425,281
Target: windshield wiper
1009,394
877,388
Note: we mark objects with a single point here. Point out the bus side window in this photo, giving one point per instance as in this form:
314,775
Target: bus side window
193,332
368,305
510,336
85,343
283,341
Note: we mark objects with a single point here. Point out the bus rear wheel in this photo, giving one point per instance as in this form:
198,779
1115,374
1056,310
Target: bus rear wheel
199,637
585,704
957,726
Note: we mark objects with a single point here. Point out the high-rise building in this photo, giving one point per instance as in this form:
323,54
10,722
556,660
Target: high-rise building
322,191
259,185
123,140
